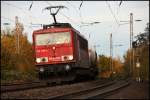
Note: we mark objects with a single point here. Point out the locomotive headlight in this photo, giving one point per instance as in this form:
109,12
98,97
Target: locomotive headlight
70,57
38,60
67,57
42,59
41,69
54,48
67,67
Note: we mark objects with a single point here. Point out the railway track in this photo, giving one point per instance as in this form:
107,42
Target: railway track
28,85
21,86
47,91
81,90
99,91
31,85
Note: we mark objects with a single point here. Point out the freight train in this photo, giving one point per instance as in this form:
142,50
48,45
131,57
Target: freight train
61,52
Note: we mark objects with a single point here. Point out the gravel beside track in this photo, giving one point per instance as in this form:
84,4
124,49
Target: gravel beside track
23,86
93,92
136,90
47,92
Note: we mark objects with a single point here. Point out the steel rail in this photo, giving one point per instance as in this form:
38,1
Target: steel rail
103,85
23,86
94,92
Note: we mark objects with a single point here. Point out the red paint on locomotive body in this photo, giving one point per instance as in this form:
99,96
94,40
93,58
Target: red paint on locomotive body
54,52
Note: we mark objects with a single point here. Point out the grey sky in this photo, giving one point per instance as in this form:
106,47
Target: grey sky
90,11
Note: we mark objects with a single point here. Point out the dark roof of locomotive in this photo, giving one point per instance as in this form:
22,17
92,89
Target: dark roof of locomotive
60,25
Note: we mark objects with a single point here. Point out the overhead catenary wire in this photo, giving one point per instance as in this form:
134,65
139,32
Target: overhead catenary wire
31,6
18,8
29,26
119,6
14,6
120,3
73,7
78,11
112,13
27,12
80,5
118,25
21,9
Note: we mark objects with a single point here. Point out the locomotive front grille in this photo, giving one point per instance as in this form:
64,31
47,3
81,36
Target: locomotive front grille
55,68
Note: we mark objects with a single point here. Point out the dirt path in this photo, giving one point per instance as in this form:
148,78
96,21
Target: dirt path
136,90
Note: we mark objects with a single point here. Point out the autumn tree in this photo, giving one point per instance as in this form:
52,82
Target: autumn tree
104,66
126,65
141,55
104,63
117,65
16,65
141,46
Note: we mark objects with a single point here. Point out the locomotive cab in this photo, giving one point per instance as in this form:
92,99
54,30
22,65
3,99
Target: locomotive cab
53,45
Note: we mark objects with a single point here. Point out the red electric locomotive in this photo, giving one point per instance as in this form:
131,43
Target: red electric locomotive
62,52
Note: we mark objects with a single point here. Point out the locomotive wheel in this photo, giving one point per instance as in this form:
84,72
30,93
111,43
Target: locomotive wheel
40,75
57,77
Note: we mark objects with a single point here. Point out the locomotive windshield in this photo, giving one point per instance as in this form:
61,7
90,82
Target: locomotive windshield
52,38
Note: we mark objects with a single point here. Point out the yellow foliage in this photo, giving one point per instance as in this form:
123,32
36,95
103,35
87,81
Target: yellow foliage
10,59
105,74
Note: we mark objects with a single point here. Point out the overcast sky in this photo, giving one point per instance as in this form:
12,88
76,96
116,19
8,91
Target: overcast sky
108,13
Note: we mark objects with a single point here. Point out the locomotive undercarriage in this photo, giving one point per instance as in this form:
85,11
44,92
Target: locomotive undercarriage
62,73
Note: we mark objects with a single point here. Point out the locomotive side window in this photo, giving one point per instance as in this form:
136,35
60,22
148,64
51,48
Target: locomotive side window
83,43
52,38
